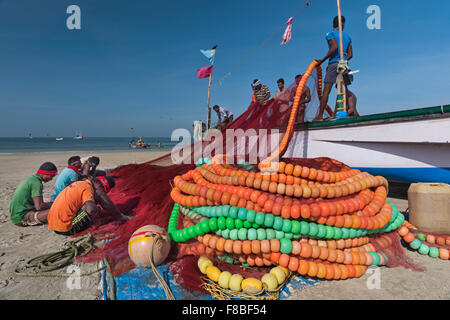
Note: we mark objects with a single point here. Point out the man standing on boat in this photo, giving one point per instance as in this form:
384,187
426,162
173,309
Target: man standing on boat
333,57
304,99
261,92
225,116
282,96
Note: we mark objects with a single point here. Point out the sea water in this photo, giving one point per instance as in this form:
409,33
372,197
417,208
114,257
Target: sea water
47,144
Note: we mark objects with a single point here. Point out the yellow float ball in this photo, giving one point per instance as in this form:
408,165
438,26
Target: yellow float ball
203,264
270,281
251,285
286,270
279,274
213,273
224,279
235,282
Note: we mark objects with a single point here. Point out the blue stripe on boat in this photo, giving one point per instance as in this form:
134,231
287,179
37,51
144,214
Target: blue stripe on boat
410,175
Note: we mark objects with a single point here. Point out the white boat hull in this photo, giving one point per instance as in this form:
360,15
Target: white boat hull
410,151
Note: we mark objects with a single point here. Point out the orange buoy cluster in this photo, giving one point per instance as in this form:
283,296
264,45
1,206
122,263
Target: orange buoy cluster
322,233
313,222
435,246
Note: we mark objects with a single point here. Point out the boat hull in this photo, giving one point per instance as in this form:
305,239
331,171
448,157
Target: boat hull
404,148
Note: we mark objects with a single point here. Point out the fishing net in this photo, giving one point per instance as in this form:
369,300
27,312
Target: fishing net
143,190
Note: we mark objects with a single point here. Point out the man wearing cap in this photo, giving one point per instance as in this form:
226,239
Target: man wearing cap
68,175
89,168
73,208
260,91
27,206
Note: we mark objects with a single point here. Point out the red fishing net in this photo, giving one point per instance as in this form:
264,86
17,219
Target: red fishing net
394,251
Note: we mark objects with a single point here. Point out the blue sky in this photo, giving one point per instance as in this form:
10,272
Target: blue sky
133,63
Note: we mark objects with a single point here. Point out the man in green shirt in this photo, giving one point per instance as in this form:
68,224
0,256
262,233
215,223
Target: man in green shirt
27,206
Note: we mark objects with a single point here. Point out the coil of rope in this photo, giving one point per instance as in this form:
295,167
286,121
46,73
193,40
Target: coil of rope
42,265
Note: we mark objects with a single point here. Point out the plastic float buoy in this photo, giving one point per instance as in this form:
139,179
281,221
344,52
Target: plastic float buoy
141,243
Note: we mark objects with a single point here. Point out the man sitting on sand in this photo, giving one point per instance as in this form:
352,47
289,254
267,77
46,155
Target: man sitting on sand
72,210
68,175
27,206
89,167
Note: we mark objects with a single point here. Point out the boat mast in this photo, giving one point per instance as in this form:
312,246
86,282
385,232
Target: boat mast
208,109
341,97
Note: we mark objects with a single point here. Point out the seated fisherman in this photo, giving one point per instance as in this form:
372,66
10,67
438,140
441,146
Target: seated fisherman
89,167
27,206
68,175
72,210
225,117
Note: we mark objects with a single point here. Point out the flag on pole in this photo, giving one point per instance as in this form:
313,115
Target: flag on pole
204,72
288,32
209,54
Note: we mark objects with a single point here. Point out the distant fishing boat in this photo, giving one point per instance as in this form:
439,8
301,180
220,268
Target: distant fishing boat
59,139
140,144
404,146
78,137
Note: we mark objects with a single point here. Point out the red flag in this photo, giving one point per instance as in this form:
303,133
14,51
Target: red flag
288,32
204,72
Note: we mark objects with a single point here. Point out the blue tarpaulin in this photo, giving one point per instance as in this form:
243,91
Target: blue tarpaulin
141,284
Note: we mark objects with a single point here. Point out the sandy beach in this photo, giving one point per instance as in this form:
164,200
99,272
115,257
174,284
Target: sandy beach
20,244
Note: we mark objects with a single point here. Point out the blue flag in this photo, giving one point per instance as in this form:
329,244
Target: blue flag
209,54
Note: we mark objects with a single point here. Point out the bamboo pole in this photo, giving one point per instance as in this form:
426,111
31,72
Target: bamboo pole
341,87
208,109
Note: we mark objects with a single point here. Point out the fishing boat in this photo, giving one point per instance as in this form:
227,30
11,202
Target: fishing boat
140,144
59,139
404,146
78,137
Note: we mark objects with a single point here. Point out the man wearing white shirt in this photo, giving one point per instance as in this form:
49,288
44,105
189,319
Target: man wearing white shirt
225,116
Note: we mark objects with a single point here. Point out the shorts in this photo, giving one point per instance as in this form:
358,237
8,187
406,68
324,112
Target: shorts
331,73
228,120
81,222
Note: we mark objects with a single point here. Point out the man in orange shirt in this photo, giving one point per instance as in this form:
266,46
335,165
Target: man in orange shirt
72,210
